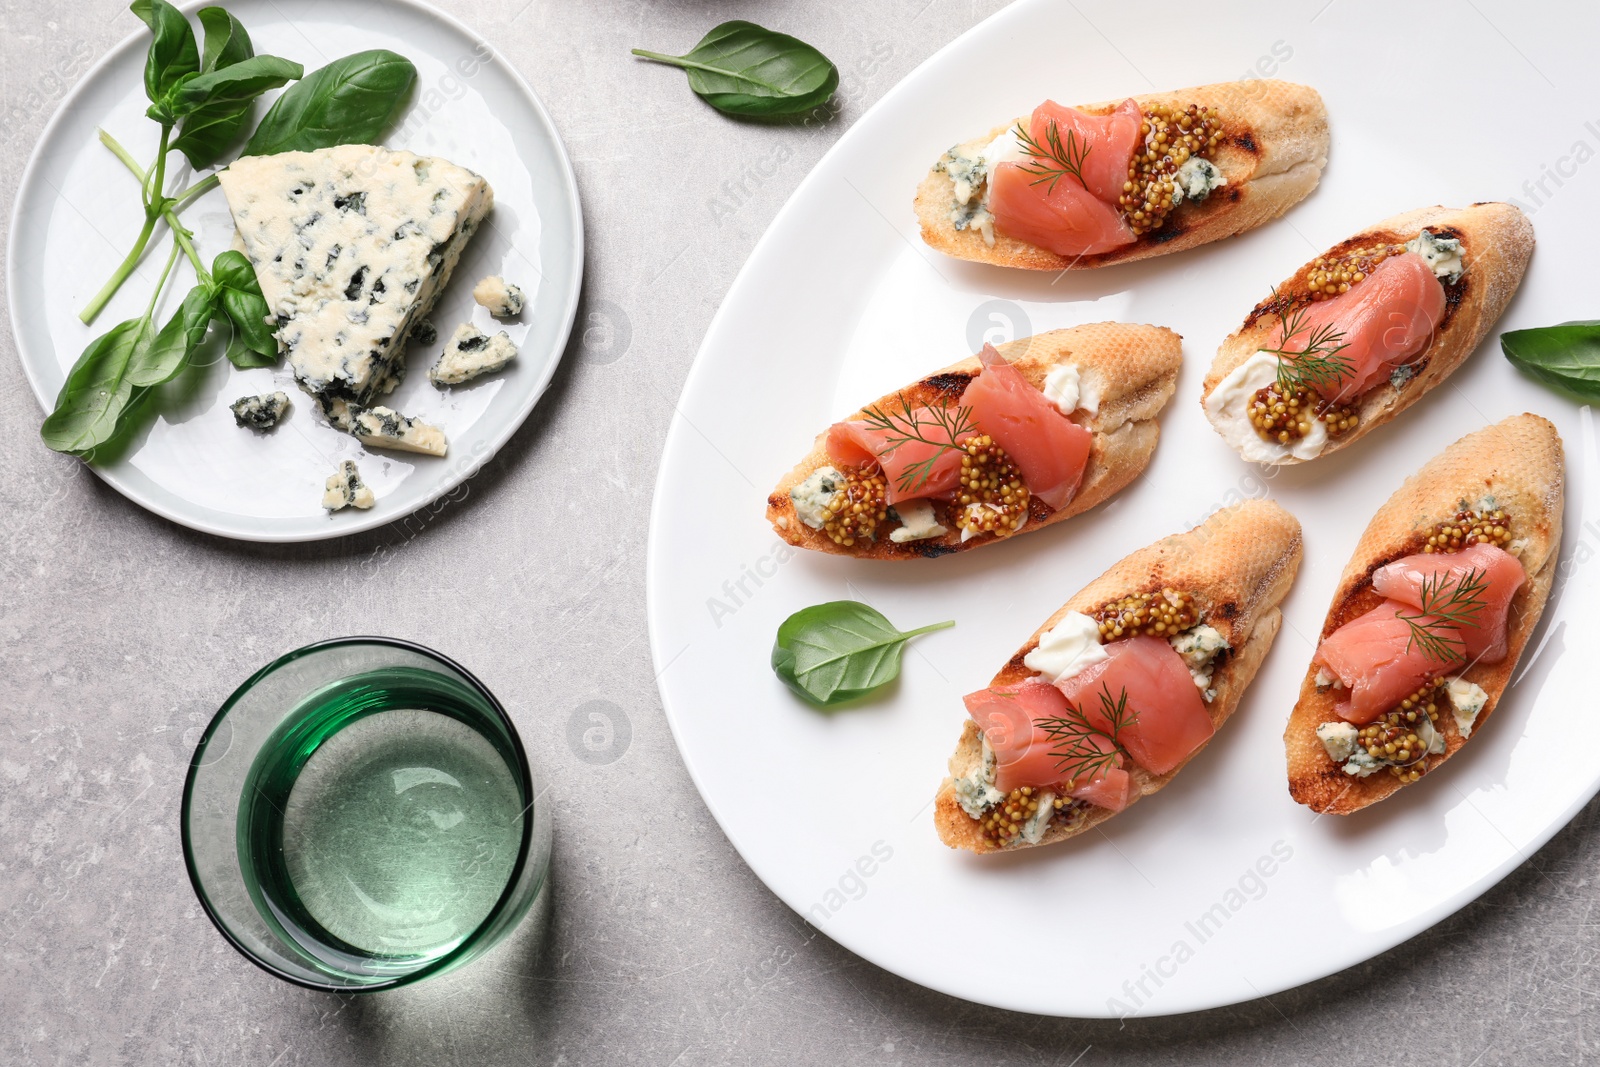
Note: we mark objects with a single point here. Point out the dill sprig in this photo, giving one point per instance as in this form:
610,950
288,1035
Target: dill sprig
912,425
1449,603
1316,364
1053,160
1077,755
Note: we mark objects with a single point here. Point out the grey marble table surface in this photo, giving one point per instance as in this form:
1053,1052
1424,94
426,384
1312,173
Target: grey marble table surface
120,633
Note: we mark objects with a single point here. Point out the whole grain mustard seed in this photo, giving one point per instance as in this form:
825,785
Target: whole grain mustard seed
1284,419
856,510
1394,737
1169,138
1334,275
988,476
1160,614
1470,527
1002,824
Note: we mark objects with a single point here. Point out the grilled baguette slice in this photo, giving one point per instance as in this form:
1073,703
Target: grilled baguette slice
1273,149
1238,564
1136,369
1496,244
1519,462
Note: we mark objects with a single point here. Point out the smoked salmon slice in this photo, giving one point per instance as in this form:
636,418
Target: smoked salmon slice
1069,214
1152,685
860,443
1025,753
1386,319
1481,575
1048,448
1380,662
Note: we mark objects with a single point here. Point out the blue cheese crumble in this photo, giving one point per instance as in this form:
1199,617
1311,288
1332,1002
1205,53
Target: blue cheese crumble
500,297
975,790
916,522
1035,825
969,177
1199,647
812,496
1442,254
1466,700
1362,764
1432,740
471,353
382,427
1339,738
345,489
261,412
1196,180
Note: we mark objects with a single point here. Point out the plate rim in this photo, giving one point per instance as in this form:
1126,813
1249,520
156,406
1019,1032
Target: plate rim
32,174
656,562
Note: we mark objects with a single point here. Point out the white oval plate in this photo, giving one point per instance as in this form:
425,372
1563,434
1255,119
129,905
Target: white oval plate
77,214
1221,888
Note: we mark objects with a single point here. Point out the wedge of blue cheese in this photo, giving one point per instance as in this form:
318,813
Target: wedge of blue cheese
471,353
345,489
352,246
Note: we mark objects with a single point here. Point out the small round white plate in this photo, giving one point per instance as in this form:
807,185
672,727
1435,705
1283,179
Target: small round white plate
1220,888
77,214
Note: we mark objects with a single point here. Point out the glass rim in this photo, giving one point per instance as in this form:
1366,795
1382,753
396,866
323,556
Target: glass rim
523,769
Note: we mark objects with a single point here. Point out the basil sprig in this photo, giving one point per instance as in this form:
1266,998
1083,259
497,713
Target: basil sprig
1565,356
118,368
834,652
203,99
740,68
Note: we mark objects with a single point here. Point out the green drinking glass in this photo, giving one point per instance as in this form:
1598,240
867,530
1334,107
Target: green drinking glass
360,814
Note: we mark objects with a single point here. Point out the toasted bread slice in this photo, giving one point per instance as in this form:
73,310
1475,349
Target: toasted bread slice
1496,244
1518,462
1238,564
1136,370
1273,148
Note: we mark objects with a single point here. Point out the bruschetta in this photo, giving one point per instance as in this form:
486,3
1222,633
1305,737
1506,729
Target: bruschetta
1070,188
1429,618
1118,690
1362,332
1013,439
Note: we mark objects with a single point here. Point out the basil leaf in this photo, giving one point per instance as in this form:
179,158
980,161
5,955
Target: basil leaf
237,84
834,652
209,129
238,297
172,49
227,42
97,391
1565,356
232,269
215,106
353,100
743,69
243,356
169,352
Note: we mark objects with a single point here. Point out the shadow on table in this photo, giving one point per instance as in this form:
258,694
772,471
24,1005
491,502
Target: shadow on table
497,1009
